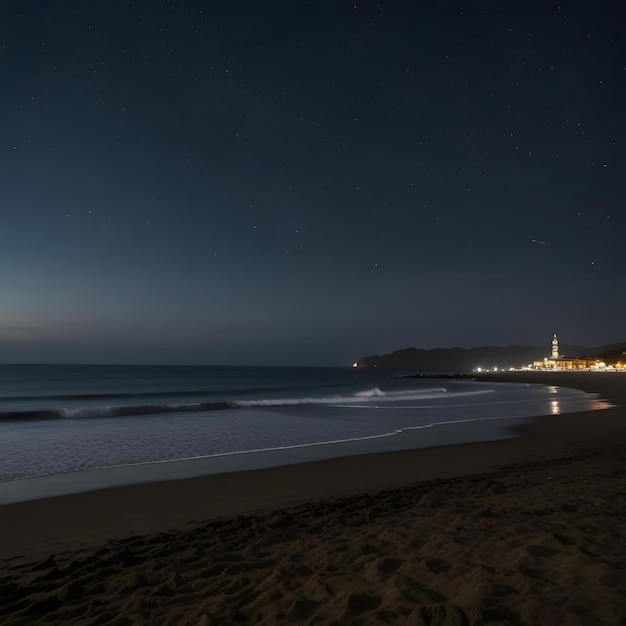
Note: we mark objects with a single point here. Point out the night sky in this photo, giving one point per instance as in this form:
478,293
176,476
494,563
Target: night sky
306,183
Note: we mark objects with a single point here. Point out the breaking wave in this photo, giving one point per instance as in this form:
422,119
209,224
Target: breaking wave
362,399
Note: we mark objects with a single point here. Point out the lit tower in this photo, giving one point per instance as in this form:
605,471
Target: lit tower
555,347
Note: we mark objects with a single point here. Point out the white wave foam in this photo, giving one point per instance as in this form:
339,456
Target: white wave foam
370,393
368,398
87,411
375,395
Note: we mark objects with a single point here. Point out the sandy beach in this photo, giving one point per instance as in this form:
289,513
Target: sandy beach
530,530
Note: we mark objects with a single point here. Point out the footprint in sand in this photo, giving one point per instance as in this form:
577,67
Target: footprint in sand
541,551
530,571
388,565
436,566
564,539
361,602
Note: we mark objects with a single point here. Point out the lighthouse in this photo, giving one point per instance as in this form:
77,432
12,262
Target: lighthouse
555,347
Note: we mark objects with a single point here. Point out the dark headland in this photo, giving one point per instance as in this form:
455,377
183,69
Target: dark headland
469,359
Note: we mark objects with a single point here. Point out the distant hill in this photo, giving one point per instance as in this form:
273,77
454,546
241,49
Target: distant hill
467,359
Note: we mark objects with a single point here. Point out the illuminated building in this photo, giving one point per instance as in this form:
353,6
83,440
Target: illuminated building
557,362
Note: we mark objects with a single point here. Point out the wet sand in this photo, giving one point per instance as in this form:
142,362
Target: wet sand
529,530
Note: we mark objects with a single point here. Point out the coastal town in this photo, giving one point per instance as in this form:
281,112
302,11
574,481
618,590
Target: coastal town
613,361
551,357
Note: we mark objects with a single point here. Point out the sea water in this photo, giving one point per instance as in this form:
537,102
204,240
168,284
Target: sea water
71,418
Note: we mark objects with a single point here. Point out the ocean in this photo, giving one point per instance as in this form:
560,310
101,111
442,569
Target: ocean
57,419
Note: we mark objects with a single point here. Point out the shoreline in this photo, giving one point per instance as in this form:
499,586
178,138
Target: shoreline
429,435
411,438
500,505
538,439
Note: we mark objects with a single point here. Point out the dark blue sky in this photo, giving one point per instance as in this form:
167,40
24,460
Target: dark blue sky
285,182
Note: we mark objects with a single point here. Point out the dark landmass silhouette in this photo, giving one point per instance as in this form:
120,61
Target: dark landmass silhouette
470,359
